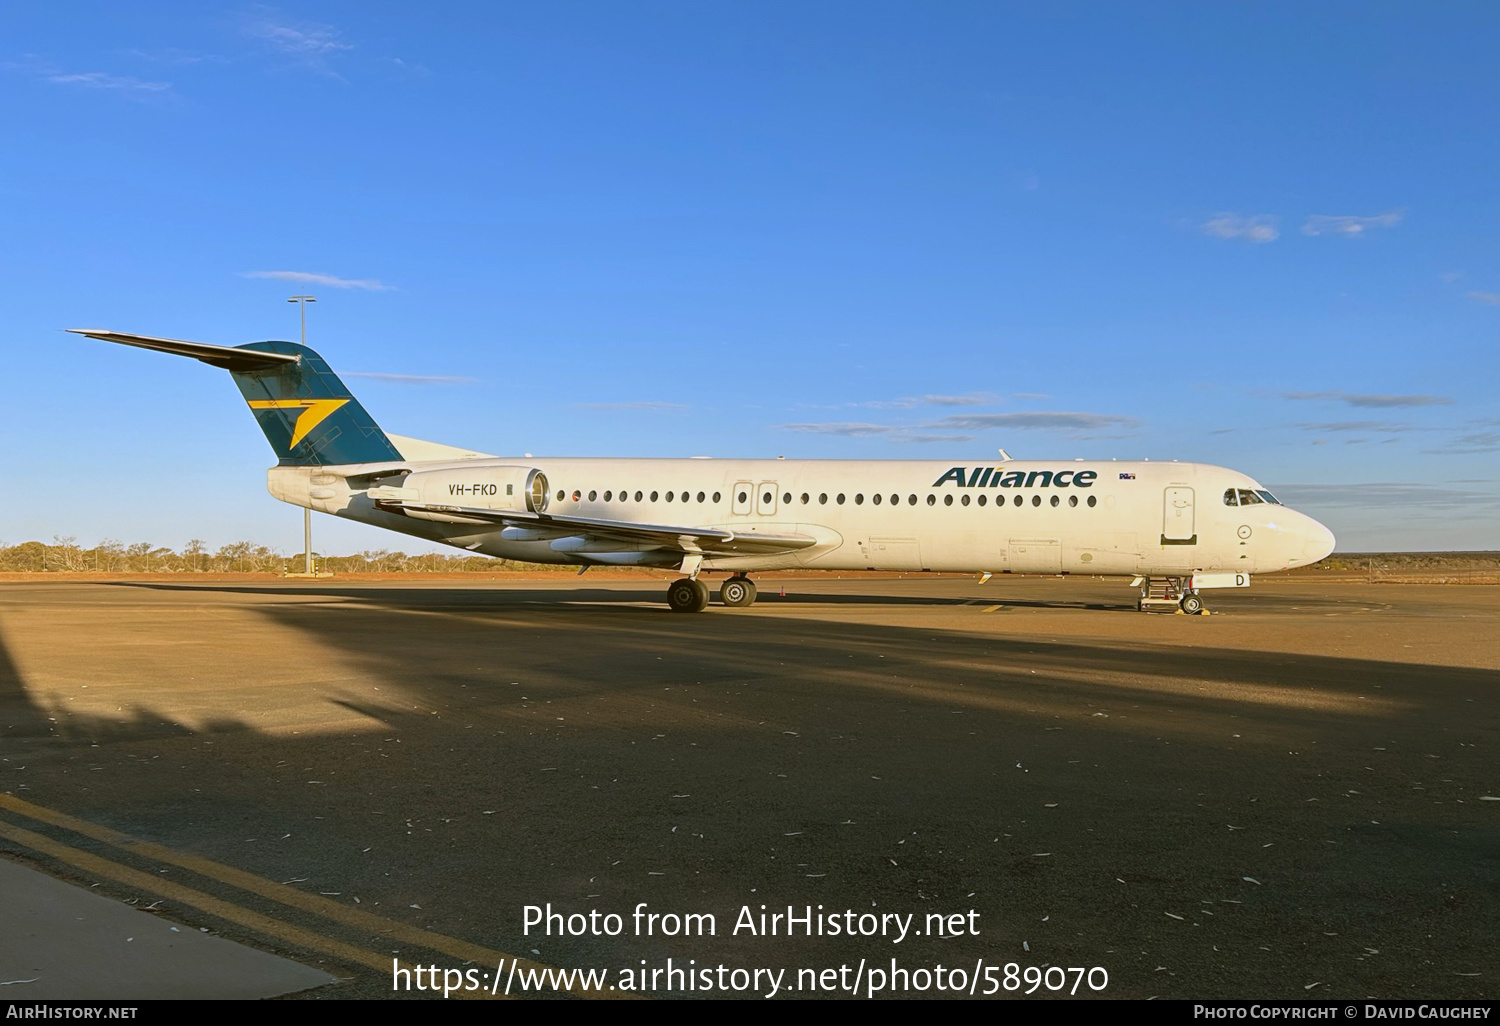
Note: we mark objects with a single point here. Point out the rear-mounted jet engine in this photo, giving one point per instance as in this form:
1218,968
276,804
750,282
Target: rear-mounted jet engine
522,489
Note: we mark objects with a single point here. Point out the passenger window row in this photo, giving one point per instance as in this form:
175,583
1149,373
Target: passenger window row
624,496
838,499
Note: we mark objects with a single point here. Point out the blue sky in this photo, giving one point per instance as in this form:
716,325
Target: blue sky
1259,235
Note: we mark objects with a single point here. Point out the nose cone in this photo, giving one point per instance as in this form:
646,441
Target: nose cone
1317,541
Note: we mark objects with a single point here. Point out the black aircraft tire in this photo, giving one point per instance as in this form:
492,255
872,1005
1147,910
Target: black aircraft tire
737,592
1191,603
687,596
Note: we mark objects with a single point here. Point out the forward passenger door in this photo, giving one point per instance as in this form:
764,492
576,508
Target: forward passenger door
1178,526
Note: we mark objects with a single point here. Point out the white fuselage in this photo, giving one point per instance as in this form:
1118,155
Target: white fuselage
1050,517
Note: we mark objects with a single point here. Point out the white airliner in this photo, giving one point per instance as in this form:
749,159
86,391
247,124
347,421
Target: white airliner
1175,528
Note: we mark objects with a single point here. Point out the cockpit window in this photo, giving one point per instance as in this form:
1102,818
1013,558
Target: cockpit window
1269,497
1229,499
1249,498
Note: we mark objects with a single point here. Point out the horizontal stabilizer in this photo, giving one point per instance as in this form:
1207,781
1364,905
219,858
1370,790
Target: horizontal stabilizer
310,418
227,357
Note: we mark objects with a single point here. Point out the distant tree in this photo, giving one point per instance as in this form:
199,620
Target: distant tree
383,561
64,554
232,557
27,557
107,557
110,556
262,559
137,556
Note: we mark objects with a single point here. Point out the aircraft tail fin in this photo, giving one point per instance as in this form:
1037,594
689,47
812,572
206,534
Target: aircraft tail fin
308,415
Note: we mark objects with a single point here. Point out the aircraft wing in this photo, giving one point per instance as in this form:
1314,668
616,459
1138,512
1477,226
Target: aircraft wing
686,539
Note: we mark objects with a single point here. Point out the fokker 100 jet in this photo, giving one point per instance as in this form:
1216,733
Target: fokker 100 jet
1174,528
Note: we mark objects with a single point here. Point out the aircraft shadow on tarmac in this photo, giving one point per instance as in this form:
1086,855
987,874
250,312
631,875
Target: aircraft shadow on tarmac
506,594
648,598
534,745
602,642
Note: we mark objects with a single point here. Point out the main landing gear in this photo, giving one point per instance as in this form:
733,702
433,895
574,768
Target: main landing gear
690,595
687,595
737,592
1168,595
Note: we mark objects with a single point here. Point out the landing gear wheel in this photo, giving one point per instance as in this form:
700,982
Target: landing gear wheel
686,595
1191,603
737,591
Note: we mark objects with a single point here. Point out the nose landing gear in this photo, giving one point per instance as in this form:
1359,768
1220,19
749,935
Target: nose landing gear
1168,595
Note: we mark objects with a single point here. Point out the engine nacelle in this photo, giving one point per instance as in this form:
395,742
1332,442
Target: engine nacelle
523,489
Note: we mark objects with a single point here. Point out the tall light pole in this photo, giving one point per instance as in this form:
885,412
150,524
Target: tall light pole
307,557
302,302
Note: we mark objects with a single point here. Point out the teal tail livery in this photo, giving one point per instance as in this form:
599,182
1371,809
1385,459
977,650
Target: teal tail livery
308,415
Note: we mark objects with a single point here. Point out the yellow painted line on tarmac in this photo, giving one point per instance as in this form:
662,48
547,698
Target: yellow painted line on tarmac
197,899
313,903
990,609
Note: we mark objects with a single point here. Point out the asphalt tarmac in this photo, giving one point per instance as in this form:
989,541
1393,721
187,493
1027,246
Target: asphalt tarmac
1294,797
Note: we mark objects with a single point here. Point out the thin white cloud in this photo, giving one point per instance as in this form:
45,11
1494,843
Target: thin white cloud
310,45
1466,445
1372,401
1348,226
1038,421
408,379
326,280
123,85
850,430
1253,228
127,84
1487,298
890,432
955,428
306,40
907,402
972,399
1382,426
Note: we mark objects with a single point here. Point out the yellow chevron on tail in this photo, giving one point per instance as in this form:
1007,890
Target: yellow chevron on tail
314,412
